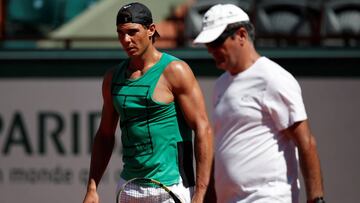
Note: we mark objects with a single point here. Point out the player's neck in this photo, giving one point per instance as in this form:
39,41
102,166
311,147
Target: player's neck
251,59
145,61
248,58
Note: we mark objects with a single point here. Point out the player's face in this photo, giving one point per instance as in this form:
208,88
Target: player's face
224,53
134,38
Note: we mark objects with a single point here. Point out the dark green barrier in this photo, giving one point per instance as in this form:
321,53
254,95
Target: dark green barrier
93,63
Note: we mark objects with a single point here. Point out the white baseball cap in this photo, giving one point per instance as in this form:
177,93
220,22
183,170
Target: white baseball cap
216,19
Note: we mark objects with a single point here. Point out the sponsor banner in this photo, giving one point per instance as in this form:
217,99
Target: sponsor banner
46,132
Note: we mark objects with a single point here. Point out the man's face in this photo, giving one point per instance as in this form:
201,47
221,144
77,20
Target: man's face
223,53
134,38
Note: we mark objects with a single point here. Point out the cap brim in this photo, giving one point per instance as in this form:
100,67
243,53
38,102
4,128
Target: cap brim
209,35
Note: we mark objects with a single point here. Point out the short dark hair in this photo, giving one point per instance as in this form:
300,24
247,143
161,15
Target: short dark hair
249,27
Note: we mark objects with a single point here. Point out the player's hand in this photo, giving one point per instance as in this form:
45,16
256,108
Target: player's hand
197,198
91,194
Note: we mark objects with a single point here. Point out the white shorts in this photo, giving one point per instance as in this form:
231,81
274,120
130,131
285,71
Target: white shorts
184,194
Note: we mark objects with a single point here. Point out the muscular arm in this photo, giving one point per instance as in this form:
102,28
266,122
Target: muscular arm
309,160
104,140
187,93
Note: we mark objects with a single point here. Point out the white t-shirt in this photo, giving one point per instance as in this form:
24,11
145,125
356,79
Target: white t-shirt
253,161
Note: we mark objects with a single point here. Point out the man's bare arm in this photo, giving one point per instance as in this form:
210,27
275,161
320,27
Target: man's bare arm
309,159
104,140
188,94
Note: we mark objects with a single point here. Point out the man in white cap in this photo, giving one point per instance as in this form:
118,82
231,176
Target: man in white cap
260,122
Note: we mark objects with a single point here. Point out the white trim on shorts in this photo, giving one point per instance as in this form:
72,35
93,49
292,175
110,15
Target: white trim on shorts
184,194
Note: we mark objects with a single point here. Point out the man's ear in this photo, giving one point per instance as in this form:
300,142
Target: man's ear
242,33
151,30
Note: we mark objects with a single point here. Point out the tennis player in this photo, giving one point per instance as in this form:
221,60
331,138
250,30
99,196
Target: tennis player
159,103
259,118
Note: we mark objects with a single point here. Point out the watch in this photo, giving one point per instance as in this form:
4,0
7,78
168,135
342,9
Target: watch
317,200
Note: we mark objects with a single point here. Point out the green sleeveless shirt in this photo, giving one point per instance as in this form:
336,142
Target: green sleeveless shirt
156,141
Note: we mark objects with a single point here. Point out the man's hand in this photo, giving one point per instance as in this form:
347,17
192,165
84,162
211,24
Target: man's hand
91,194
197,198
